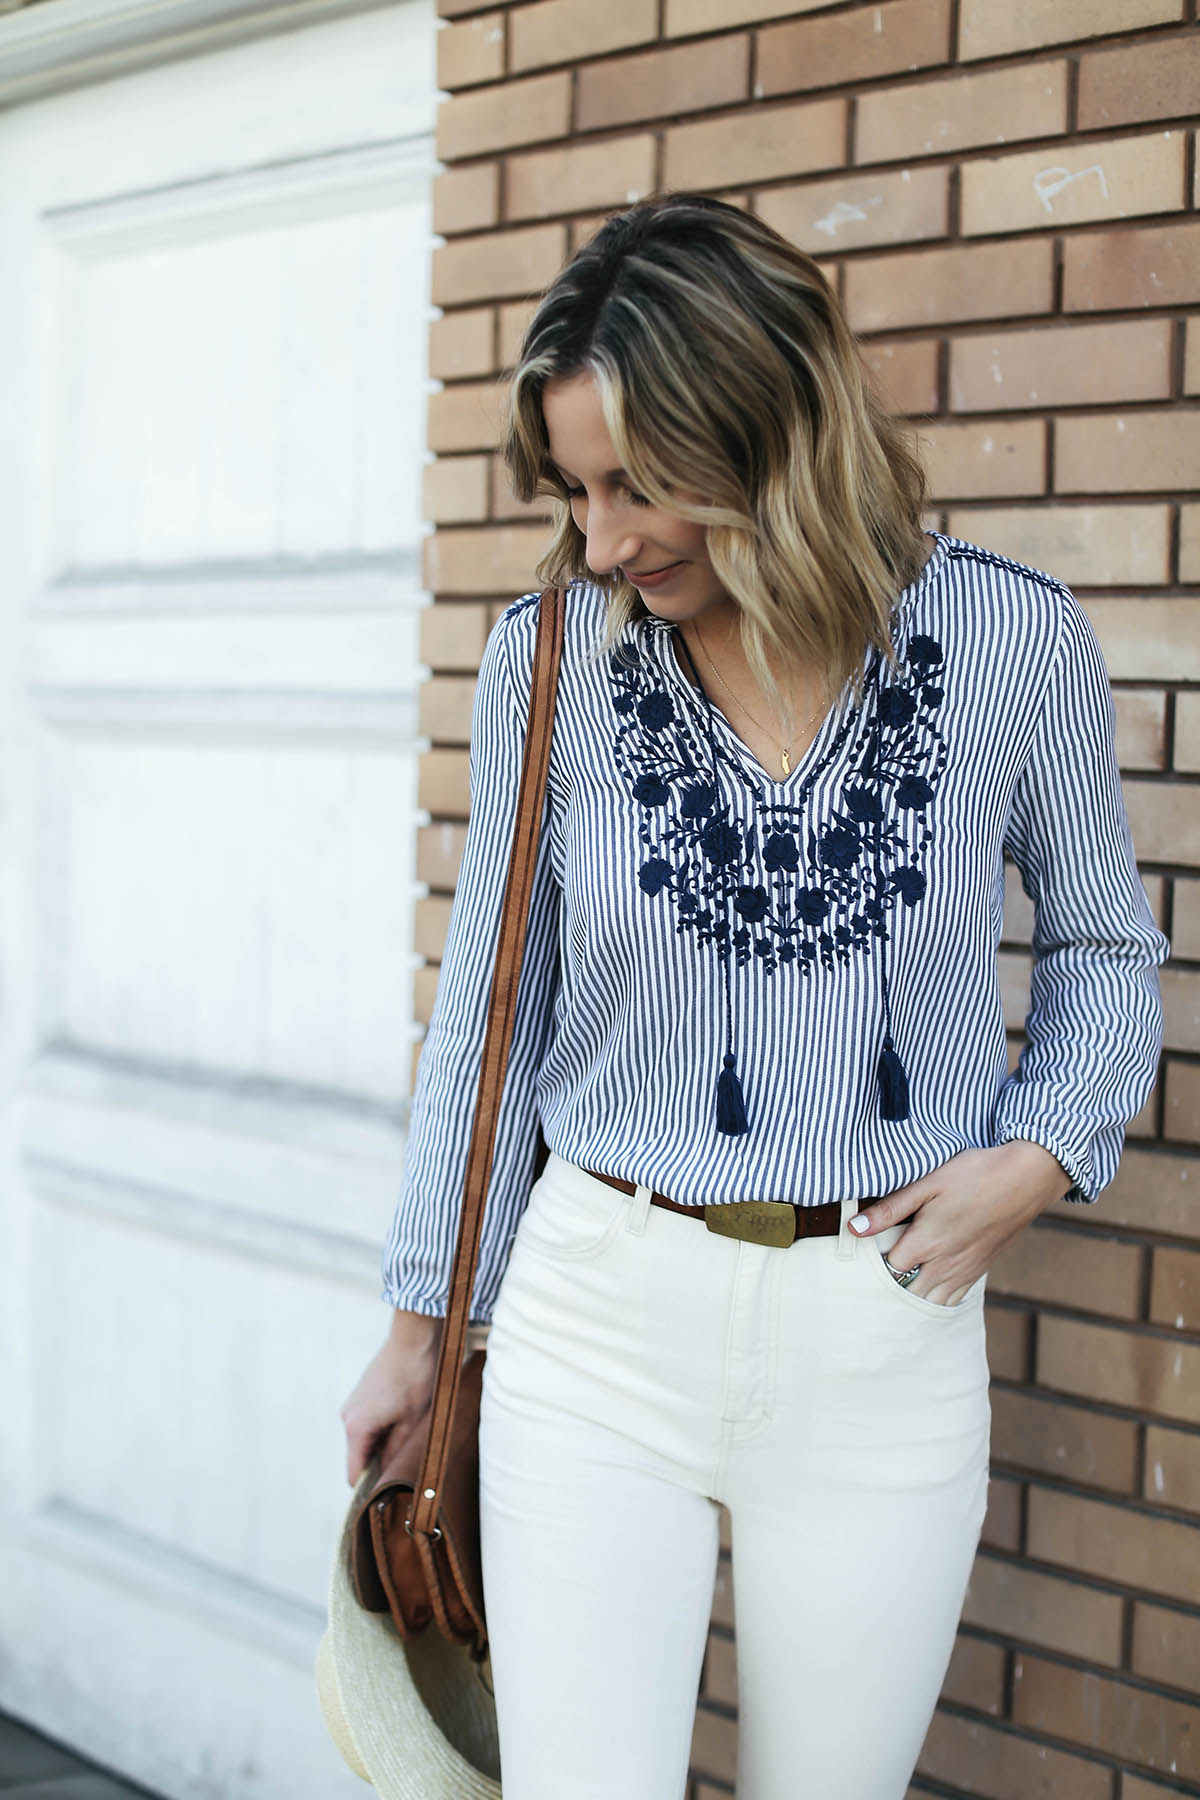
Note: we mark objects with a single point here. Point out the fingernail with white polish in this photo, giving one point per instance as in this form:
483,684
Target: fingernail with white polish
860,1223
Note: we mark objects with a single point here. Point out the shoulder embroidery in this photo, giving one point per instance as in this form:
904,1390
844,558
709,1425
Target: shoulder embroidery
788,888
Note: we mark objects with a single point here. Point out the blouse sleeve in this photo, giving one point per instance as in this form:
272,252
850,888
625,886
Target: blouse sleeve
420,1245
1094,1026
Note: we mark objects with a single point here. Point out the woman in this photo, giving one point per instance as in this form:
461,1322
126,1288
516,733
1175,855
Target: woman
795,736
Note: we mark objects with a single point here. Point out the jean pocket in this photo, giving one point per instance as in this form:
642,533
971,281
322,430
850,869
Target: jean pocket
875,1249
572,1221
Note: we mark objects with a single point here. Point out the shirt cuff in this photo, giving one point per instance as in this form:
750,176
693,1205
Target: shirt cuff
1077,1164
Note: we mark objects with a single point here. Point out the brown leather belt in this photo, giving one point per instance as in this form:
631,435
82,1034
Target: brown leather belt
760,1222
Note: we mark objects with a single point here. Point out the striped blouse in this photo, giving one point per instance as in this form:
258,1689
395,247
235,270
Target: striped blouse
689,908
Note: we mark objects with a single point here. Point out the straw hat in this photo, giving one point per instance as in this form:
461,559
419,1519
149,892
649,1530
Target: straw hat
414,1717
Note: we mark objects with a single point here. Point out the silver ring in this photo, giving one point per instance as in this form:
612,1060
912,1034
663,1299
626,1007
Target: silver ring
902,1276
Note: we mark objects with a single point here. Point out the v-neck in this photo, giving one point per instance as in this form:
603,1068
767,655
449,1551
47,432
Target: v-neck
783,783
663,632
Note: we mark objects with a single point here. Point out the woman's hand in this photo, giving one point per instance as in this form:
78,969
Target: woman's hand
395,1387
965,1212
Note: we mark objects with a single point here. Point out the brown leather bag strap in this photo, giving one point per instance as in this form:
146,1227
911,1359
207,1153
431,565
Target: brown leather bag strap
510,950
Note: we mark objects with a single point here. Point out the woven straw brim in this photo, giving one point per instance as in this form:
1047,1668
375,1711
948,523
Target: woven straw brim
414,1717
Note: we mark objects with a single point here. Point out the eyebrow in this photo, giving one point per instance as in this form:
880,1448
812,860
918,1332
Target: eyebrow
610,475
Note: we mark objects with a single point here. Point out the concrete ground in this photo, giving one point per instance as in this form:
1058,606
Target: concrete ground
33,1767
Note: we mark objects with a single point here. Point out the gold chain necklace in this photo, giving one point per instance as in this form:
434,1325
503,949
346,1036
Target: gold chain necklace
822,705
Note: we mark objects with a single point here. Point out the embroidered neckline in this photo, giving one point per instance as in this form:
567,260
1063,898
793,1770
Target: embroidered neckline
784,888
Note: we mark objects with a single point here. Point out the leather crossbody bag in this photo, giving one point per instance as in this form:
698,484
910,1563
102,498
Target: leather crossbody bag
415,1538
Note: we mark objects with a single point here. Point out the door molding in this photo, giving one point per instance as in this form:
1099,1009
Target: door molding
48,48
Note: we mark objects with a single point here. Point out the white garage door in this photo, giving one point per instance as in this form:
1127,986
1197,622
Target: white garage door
212,362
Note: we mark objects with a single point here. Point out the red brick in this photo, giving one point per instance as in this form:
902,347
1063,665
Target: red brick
1034,1608
1191,362
999,1765
512,324
1141,729
968,281
462,343
471,52
1002,1525
1111,453
984,461
1119,1544
1108,271
431,921
1175,1287
684,18
904,373
479,562
495,118
986,29
853,46
466,199
439,853
1069,1269
1113,1716
1181,1004
1166,1647
1085,546
1150,1192
1076,365
1181,1120
975,1676
559,31
1149,1372
856,210
1149,640
1134,1788
714,1744
1185,924
442,783
662,83
1189,544
467,416
1113,178
1164,821
1172,1468
756,145
498,264
1155,80
456,489
1073,1442
934,118
1007,1342
453,635
613,172
720,1672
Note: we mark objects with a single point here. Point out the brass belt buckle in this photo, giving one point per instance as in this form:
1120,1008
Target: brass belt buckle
770,1222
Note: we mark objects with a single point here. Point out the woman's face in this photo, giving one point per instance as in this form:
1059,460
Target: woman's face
624,531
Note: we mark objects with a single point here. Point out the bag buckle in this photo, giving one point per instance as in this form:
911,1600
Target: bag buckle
771,1222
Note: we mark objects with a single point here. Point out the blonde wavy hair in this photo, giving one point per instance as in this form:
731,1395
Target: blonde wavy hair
726,369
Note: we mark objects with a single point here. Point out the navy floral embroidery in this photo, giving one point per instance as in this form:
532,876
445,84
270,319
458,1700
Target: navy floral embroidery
786,889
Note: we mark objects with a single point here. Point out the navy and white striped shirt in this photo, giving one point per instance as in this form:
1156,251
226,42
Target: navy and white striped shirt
670,863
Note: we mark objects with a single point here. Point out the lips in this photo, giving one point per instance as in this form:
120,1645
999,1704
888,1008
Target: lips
641,574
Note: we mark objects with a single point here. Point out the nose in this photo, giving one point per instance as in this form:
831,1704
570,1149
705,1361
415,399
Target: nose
609,541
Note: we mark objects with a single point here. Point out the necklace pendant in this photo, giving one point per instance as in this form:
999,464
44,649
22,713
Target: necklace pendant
787,767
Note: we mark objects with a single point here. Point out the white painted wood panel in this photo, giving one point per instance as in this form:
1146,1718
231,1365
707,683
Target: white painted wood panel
212,327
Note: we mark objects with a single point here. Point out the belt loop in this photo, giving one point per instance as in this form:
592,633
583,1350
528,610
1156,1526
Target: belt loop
639,1210
847,1241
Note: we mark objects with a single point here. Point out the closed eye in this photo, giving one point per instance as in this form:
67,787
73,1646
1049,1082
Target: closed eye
578,493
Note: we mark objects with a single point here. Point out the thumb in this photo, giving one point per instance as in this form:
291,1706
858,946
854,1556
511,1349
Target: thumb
893,1209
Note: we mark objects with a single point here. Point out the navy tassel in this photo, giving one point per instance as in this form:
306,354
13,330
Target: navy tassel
731,1107
893,1082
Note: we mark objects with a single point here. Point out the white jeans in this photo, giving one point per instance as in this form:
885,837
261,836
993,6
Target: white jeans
640,1369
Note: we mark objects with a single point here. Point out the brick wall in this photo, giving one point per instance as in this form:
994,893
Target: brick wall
1005,192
